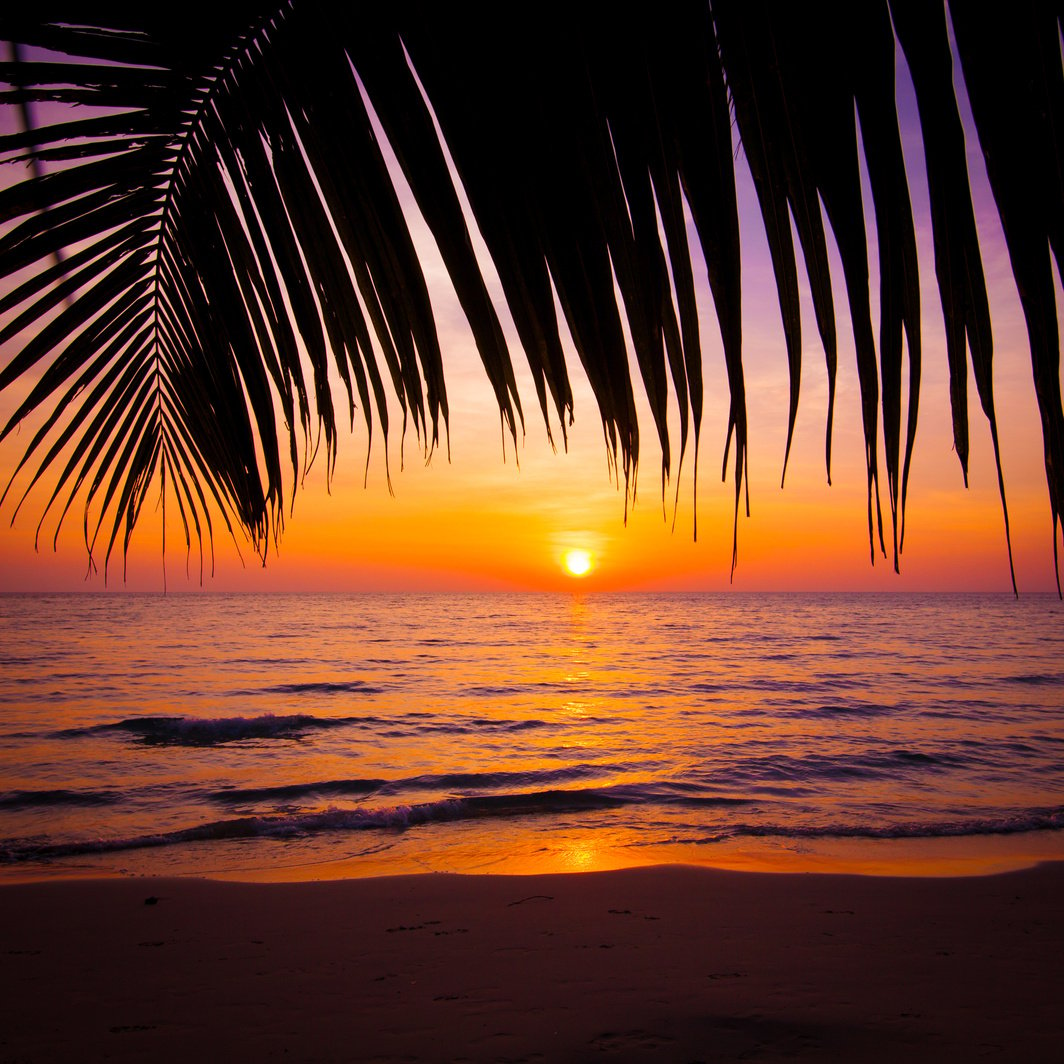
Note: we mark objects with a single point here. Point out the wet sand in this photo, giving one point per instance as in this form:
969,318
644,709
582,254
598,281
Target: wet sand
651,964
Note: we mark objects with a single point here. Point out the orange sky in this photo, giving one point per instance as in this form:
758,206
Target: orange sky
482,523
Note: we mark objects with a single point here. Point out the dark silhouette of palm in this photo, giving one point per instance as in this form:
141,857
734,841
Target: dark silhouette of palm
211,229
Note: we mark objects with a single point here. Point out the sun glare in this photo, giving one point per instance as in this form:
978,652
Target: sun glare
577,562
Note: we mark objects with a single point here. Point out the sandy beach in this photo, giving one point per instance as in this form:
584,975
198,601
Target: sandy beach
667,963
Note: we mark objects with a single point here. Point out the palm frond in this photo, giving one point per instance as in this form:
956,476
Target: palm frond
215,236
1016,87
211,262
921,32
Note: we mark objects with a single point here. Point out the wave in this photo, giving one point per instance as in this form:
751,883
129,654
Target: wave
209,731
554,802
1037,679
458,781
290,791
330,820
882,764
1051,819
851,709
58,796
198,731
412,724
478,807
322,687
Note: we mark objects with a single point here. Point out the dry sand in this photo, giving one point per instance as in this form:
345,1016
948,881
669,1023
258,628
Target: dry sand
671,964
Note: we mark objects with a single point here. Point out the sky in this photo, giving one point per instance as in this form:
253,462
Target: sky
493,519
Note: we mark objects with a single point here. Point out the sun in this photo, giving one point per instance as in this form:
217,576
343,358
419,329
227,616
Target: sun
577,562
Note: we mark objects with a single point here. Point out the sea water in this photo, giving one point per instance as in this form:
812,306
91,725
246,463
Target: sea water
279,735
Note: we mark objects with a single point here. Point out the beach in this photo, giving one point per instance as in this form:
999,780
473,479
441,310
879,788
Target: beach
670,963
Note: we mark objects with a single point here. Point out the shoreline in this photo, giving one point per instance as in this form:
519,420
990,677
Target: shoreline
903,857
663,962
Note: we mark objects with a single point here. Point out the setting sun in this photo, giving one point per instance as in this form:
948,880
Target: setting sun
577,562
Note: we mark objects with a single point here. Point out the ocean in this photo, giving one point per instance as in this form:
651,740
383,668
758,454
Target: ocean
284,736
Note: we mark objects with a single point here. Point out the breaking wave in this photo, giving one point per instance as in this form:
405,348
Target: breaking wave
536,803
210,731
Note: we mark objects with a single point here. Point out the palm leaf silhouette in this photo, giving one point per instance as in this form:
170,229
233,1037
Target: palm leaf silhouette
209,236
